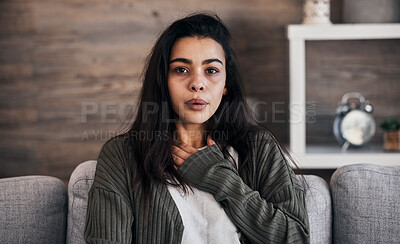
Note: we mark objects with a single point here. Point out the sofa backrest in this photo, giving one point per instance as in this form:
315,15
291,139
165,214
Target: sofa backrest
33,210
366,204
318,202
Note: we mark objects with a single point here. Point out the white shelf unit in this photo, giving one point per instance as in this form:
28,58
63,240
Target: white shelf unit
325,157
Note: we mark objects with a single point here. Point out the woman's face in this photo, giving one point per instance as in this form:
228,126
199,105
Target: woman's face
196,78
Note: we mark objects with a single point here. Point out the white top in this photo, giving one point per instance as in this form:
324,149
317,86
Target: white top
204,219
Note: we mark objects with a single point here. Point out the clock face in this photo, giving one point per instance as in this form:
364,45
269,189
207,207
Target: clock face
358,127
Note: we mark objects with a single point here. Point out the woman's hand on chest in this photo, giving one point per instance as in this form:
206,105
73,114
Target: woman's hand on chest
183,151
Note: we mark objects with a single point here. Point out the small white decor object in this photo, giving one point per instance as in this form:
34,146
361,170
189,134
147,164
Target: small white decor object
316,12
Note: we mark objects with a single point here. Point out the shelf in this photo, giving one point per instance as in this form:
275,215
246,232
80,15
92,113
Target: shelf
344,31
336,160
367,149
331,157
325,156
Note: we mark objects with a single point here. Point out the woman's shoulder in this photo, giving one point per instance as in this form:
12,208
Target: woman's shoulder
258,134
116,150
112,169
270,156
121,140
264,144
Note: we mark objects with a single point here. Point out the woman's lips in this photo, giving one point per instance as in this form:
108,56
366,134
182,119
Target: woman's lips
196,104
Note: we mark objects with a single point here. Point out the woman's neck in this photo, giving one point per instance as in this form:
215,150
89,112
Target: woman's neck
192,134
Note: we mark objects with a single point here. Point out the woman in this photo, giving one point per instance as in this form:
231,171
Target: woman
193,168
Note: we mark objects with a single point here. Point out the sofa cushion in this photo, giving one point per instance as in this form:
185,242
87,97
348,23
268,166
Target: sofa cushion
366,204
319,208
33,210
78,188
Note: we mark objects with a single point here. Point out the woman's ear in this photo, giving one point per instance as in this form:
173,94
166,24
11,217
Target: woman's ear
225,91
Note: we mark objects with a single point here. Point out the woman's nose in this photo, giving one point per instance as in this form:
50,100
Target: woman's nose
197,88
197,83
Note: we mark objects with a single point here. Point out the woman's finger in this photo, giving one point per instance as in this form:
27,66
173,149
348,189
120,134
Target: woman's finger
178,151
187,148
210,141
178,160
181,152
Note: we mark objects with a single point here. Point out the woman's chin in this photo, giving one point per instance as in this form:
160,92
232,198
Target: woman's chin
195,120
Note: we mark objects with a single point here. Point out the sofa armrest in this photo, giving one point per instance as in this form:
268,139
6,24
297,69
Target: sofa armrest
366,201
33,209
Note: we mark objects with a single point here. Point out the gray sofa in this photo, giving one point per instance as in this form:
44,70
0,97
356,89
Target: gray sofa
362,205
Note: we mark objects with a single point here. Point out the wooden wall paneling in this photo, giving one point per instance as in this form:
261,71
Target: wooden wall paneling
56,57
18,113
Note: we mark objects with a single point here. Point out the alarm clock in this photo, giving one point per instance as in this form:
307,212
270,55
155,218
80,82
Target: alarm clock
354,124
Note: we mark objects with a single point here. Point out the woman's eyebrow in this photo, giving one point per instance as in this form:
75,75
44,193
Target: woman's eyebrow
188,61
207,61
183,60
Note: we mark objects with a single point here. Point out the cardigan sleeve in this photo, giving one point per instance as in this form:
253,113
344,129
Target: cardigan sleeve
275,212
109,215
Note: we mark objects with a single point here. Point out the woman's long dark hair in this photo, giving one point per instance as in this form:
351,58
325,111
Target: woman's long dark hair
153,130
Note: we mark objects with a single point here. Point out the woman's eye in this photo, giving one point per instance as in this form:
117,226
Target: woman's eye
211,71
181,70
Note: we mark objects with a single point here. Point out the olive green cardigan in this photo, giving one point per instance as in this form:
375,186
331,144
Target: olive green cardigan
272,212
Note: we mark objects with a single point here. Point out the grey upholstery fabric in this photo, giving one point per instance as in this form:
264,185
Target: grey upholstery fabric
366,200
319,208
79,184
33,210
